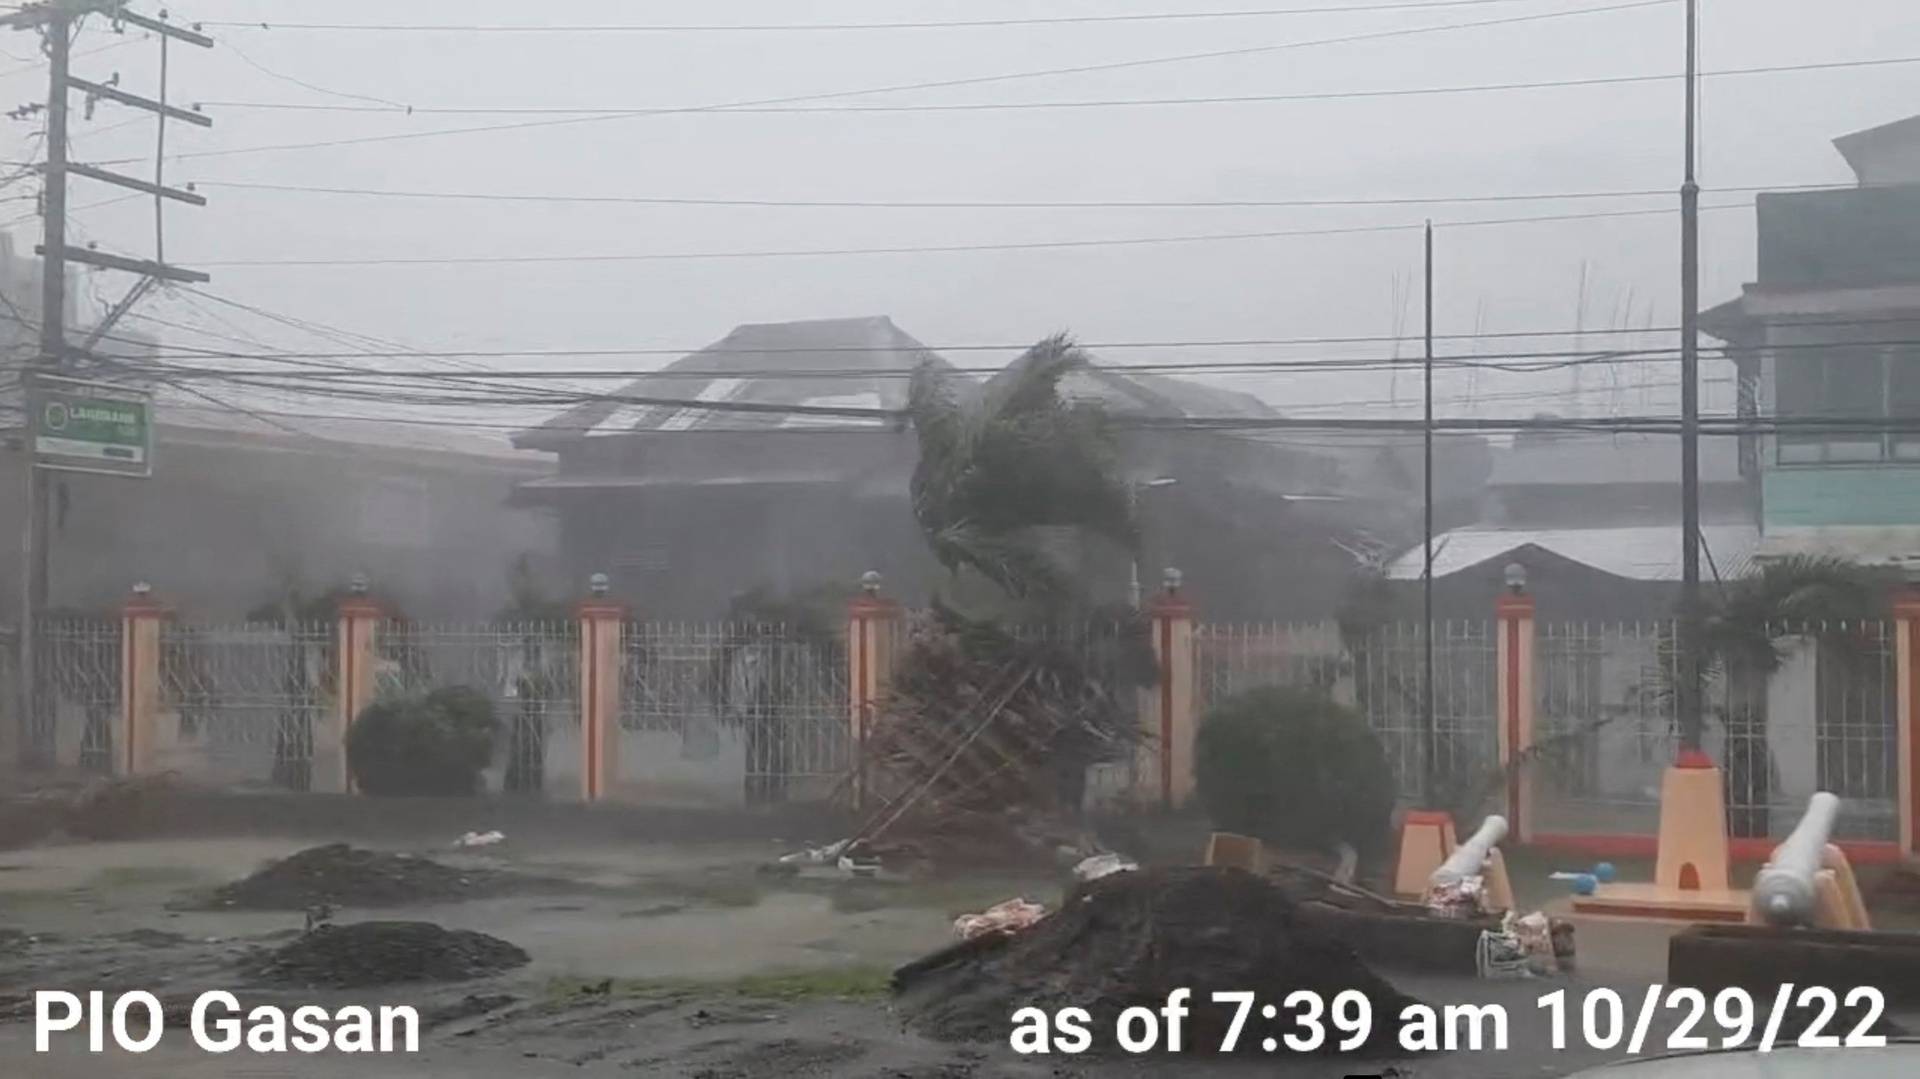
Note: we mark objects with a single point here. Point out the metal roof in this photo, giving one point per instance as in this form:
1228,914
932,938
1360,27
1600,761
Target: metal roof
1640,553
744,368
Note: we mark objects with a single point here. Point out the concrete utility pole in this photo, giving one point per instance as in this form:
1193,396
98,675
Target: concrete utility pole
56,20
1688,659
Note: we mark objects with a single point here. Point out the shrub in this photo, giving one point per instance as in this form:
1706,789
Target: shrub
436,743
1294,768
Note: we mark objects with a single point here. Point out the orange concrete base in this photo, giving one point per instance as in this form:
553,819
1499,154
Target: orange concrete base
1837,901
1651,901
1499,888
1426,840
1236,851
1693,854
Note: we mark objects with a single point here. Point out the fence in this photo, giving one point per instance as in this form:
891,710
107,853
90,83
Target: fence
529,671
720,711
755,713
1820,714
77,673
244,702
1382,674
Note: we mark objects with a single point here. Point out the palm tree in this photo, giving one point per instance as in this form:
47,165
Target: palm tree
1741,635
998,472
982,716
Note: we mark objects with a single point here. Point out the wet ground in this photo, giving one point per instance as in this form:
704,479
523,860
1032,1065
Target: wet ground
671,959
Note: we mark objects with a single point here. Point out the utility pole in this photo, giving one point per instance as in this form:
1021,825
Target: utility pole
56,21
1688,660
1428,729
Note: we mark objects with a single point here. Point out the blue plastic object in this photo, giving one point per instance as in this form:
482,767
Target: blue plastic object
1604,872
1584,884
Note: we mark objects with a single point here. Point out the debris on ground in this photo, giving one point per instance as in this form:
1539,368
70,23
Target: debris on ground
1457,897
827,855
342,875
1531,945
1008,917
363,954
1131,939
1103,865
479,839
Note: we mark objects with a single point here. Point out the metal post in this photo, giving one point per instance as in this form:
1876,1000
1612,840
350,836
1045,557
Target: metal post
1133,580
1688,660
1429,735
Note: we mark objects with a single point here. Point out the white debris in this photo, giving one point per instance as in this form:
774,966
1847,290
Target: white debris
1014,914
1103,865
827,855
479,839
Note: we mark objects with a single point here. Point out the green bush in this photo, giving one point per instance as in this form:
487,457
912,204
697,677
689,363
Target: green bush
431,744
1294,768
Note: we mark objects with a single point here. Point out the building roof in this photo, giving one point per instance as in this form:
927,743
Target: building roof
1650,553
1858,147
866,356
1565,460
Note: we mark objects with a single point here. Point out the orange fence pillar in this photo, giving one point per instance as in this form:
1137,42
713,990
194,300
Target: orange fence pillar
140,625
873,623
1513,649
1174,720
602,627
356,630
1906,614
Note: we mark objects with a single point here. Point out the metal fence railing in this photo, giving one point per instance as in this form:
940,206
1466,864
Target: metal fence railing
1381,672
1819,714
12,724
717,710
528,670
245,700
77,678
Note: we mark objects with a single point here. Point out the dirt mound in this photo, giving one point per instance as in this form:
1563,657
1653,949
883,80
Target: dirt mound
342,875
1131,939
362,954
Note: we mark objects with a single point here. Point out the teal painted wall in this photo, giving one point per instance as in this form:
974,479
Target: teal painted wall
1804,495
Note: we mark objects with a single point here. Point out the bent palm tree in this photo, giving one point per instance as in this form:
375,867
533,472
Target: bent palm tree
985,718
997,472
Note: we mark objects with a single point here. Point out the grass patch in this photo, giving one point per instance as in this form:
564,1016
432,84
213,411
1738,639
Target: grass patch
826,983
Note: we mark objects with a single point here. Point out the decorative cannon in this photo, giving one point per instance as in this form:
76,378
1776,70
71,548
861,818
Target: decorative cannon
1808,881
1480,857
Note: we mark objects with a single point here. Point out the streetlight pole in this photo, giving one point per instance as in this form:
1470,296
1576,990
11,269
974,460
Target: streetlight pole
1428,729
1687,698
1134,597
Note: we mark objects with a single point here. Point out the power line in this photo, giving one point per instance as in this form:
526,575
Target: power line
918,249
937,84
950,24
933,204
995,106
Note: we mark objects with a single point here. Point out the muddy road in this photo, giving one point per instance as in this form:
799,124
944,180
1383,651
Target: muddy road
645,957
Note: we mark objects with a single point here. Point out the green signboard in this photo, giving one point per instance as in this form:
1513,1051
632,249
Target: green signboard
90,426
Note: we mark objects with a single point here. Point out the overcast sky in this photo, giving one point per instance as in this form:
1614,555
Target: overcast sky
1757,130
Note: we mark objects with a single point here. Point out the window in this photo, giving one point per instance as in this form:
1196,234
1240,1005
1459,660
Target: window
1848,382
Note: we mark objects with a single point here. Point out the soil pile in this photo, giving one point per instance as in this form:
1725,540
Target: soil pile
1131,939
342,875
363,954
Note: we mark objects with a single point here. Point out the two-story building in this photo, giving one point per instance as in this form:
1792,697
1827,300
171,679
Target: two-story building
1830,331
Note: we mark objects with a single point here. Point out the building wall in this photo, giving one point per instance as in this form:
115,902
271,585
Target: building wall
1808,495
218,529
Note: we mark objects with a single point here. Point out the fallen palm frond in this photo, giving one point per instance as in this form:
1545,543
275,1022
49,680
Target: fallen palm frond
979,720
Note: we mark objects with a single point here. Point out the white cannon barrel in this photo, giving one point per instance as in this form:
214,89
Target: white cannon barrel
1469,859
1783,891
